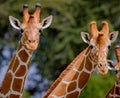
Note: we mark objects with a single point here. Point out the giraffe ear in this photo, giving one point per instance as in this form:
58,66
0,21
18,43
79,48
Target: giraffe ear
14,22
111,66
86,37
46,22
113,36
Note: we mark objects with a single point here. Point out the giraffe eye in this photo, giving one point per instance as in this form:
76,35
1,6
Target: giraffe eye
91,46
22,30
109,47
40,31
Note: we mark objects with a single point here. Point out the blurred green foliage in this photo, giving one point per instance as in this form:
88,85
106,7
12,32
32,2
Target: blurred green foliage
26,94
98,86
61,42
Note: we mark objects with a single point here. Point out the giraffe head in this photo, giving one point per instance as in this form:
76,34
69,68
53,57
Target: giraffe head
117,66
30,26
99,43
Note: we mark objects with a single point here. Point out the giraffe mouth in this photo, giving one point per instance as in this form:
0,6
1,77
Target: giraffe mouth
31,47
103,70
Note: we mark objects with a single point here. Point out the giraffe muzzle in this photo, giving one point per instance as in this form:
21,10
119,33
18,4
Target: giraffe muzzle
102,69
31,46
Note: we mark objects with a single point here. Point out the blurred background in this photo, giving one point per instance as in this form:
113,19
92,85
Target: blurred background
60,43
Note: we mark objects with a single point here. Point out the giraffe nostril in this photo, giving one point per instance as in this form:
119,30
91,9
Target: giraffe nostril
100,65
31,41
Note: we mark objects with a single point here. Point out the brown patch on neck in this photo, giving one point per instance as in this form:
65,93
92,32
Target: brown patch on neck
72,86
88,67
71,76
12,63
84,77
23,56
73,95
21,71
17,84
14,96
6,84
15,64
61,90
117,90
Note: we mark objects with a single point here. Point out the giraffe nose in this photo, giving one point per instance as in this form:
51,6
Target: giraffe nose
100,65
31,44
31,41
102,68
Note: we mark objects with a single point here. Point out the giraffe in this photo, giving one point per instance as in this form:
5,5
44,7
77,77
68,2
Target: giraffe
115,90
13,83
73,79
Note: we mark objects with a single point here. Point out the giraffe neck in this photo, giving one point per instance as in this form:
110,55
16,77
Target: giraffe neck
73,79
13,82
115,90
